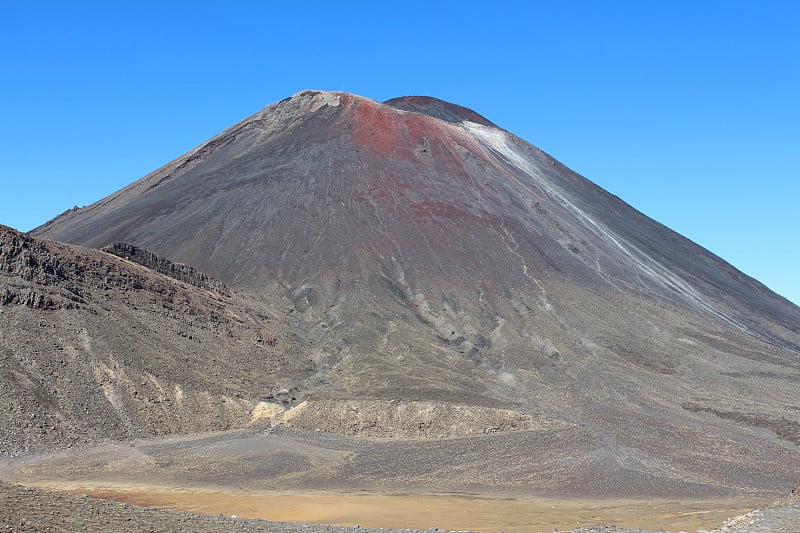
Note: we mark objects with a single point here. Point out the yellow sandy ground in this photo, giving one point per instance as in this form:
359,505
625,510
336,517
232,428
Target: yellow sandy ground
426,511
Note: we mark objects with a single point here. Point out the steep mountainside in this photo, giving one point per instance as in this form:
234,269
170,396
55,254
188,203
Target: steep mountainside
423,254
94,347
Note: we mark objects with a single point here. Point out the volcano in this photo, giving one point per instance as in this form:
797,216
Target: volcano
428,260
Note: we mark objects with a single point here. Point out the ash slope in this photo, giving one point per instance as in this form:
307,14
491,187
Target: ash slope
425,254
323,180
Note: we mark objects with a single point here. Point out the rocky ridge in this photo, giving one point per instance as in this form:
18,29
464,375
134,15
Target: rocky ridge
177,271
95,347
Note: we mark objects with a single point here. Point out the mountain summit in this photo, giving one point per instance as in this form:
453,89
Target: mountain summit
424,254
428,105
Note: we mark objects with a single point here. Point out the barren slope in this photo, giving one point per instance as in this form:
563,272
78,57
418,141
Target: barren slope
95,347
425,255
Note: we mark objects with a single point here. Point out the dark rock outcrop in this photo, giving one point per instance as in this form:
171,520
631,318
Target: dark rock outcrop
177,271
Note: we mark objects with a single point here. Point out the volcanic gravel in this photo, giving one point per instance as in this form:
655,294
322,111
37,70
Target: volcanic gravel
26,509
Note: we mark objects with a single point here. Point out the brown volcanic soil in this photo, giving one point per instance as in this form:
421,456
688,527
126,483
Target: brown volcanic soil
458,513
29,509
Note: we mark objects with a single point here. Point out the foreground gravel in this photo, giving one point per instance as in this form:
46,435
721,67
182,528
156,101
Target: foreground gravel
25,509
784,518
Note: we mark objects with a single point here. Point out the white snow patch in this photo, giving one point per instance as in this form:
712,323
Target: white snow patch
497,141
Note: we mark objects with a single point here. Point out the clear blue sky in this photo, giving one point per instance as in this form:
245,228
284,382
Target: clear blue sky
688,110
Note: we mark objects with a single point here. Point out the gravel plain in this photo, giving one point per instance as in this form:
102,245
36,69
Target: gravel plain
27,509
